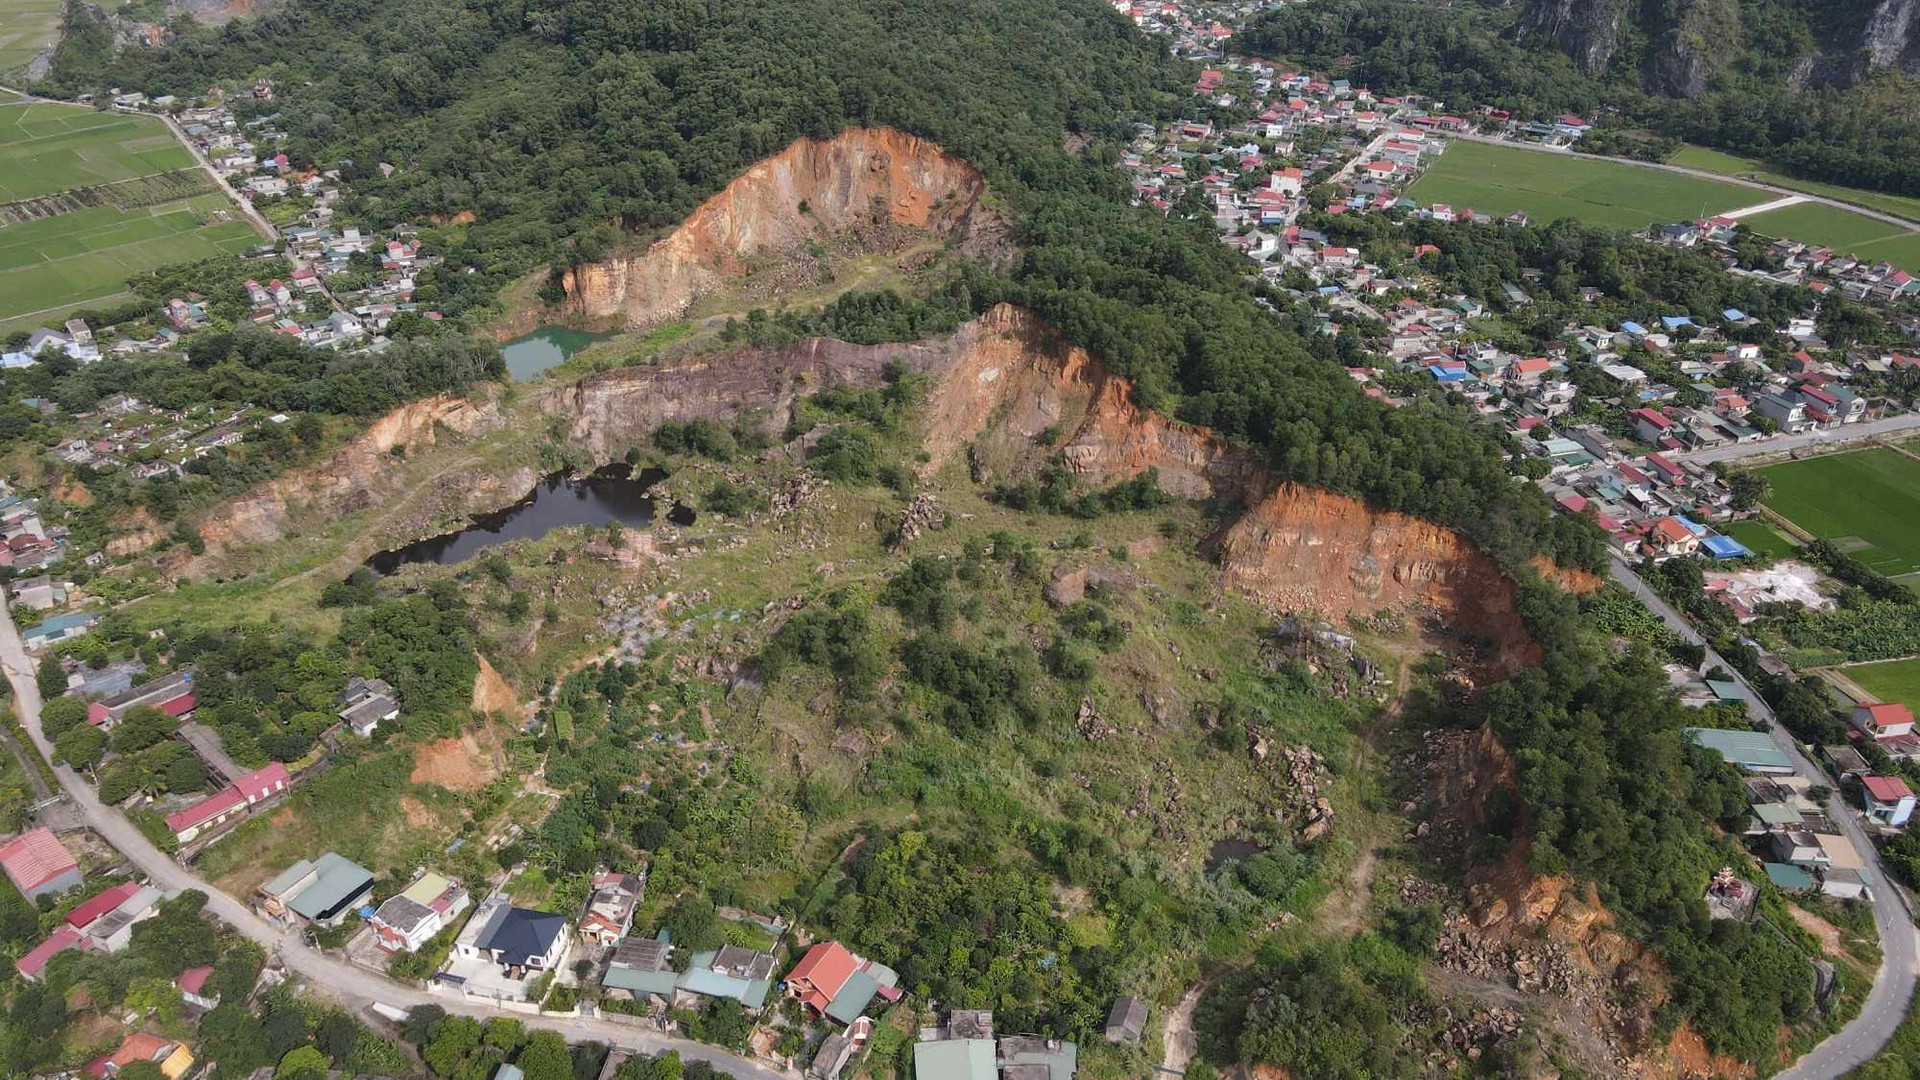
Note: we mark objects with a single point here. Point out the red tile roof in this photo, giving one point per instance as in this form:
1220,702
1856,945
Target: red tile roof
193,980
261,783
1888,714
823,971
106,900
206,809
35,960
34,858
1887,789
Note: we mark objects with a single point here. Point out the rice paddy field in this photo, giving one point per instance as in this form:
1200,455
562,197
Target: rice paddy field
1867,502
89,199
1842,230
1699,157
1498,180
50,148
88,255
1762,539
1890,680
26,27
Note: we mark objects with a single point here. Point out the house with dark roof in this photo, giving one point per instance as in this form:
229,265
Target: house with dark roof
38,865
366,704
522,941
1127,1021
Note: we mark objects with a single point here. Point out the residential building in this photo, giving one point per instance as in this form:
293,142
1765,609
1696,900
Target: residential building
229,803
1889,800
837,984
113,931
412,916
33,963
38,865
523,942
173,1058
100,904
731,972
366,704
171,694
322,892
1127,1021
610,909
57,629
643,967
1883,720
194,990
39,592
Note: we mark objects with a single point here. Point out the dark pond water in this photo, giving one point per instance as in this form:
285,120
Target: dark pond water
557,502
1226,851
548,347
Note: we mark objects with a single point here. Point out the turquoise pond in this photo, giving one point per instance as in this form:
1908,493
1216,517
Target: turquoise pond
545,348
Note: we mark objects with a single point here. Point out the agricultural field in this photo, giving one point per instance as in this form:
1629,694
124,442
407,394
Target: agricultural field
1890,680
49,148
1857,234
1498,180
88,255
91,199
1699,157
1867,502
26,26
1762,539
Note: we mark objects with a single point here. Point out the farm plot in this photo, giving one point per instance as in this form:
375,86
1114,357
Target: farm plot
1843,230
49,148
1867,502
1498,180
26,27
1889,680
88,255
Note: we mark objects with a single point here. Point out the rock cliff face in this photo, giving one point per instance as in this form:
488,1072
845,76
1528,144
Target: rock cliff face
1305,549
359,475
1587,30
1680,44
810,188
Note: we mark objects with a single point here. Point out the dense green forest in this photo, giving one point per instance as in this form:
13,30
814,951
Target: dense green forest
1469,56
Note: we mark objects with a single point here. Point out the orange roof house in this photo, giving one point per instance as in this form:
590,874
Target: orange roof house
820,975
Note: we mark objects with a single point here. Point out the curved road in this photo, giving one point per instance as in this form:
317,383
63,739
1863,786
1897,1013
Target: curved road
353,985
1886,1005
1878,215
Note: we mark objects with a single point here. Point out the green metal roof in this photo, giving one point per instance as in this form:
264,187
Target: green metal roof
1790,877
851,1001
636,981
1753,751
954,1059
1774,813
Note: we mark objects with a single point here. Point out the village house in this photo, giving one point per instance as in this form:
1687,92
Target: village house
366,704
838,984
521,941
322,892
38,864
409,918
1889,800
1889,725
229,803
610,907
171,694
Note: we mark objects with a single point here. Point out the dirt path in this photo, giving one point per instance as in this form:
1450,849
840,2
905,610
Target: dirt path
1346,919
1176,1031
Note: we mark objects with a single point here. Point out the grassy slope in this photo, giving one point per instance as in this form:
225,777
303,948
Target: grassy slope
26,26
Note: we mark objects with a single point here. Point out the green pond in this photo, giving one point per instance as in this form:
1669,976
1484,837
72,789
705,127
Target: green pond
548,347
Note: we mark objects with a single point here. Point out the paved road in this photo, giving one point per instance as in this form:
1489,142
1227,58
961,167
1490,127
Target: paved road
1867,211
1886,1005
1780,444
245,205
354,986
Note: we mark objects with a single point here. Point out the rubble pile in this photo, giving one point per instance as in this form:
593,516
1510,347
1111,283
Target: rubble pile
1091,724
922,514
